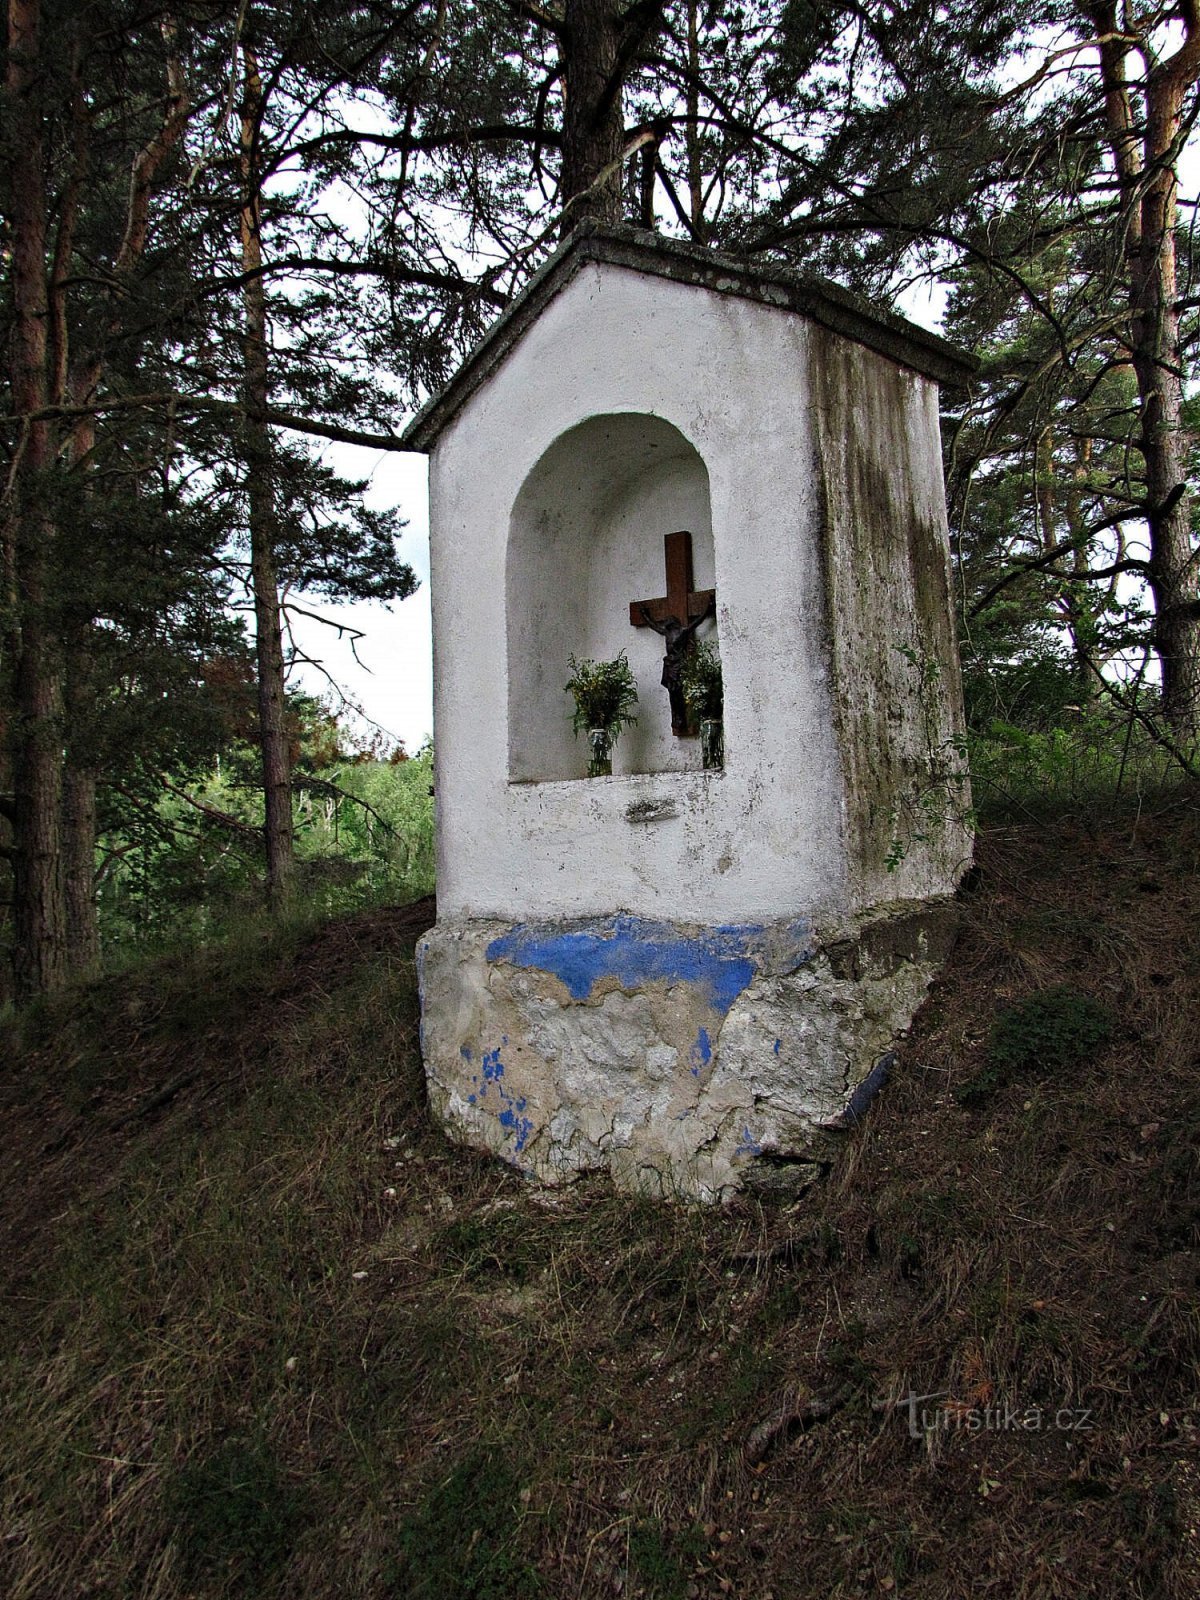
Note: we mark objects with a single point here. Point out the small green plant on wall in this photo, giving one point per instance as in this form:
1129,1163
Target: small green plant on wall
704,696
605,693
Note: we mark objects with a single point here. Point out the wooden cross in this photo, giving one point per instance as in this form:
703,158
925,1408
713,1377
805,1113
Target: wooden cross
676,615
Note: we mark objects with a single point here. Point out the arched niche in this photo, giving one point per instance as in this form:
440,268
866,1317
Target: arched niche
585,539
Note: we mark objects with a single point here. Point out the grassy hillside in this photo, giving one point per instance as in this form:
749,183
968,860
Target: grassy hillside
265,1333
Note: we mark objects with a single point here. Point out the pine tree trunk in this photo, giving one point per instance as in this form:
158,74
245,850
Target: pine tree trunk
80,380
695,166
79,870
276,757
1157,362
79,785
1082,609
39,921
1145,161
593,114
38,910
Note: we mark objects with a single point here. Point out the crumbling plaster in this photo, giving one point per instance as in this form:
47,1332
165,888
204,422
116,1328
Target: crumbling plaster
686,1061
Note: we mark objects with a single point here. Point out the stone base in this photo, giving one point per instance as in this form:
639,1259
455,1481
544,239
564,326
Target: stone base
688,1061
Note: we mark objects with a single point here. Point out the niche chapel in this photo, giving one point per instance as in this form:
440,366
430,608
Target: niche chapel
687,975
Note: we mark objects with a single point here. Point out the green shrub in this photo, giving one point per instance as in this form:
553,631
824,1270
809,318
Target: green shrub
1048,1033
1085,766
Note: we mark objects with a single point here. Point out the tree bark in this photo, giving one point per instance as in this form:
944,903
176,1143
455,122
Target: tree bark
1146,167
79,870
38,905
695,167
593,112
276,757
80,783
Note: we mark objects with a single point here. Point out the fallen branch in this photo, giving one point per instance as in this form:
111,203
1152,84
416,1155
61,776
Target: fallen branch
792,1417
155,1101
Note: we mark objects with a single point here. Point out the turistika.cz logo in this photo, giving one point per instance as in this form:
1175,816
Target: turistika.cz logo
938,1413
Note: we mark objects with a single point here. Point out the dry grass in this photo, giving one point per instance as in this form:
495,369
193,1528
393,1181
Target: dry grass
269,1335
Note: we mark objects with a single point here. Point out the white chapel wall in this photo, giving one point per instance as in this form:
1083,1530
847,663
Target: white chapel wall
763,838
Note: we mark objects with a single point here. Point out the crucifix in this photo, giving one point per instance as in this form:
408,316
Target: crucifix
676,615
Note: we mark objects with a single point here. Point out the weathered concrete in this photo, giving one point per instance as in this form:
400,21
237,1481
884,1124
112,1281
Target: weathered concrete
897,692
686,1061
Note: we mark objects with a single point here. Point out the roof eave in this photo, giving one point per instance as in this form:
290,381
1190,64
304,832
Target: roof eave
824,303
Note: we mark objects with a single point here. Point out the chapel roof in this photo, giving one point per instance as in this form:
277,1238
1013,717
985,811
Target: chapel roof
654,255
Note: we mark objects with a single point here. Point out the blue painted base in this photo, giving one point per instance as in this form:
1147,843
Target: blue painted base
674,1055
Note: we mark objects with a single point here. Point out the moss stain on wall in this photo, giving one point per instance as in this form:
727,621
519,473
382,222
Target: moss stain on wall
887,597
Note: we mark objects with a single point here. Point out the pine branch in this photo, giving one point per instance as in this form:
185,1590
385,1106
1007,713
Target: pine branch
196,404
1034,564
538,14
213,813
390,272
427,143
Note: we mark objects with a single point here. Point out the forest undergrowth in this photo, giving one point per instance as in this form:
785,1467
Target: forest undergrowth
266,1333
